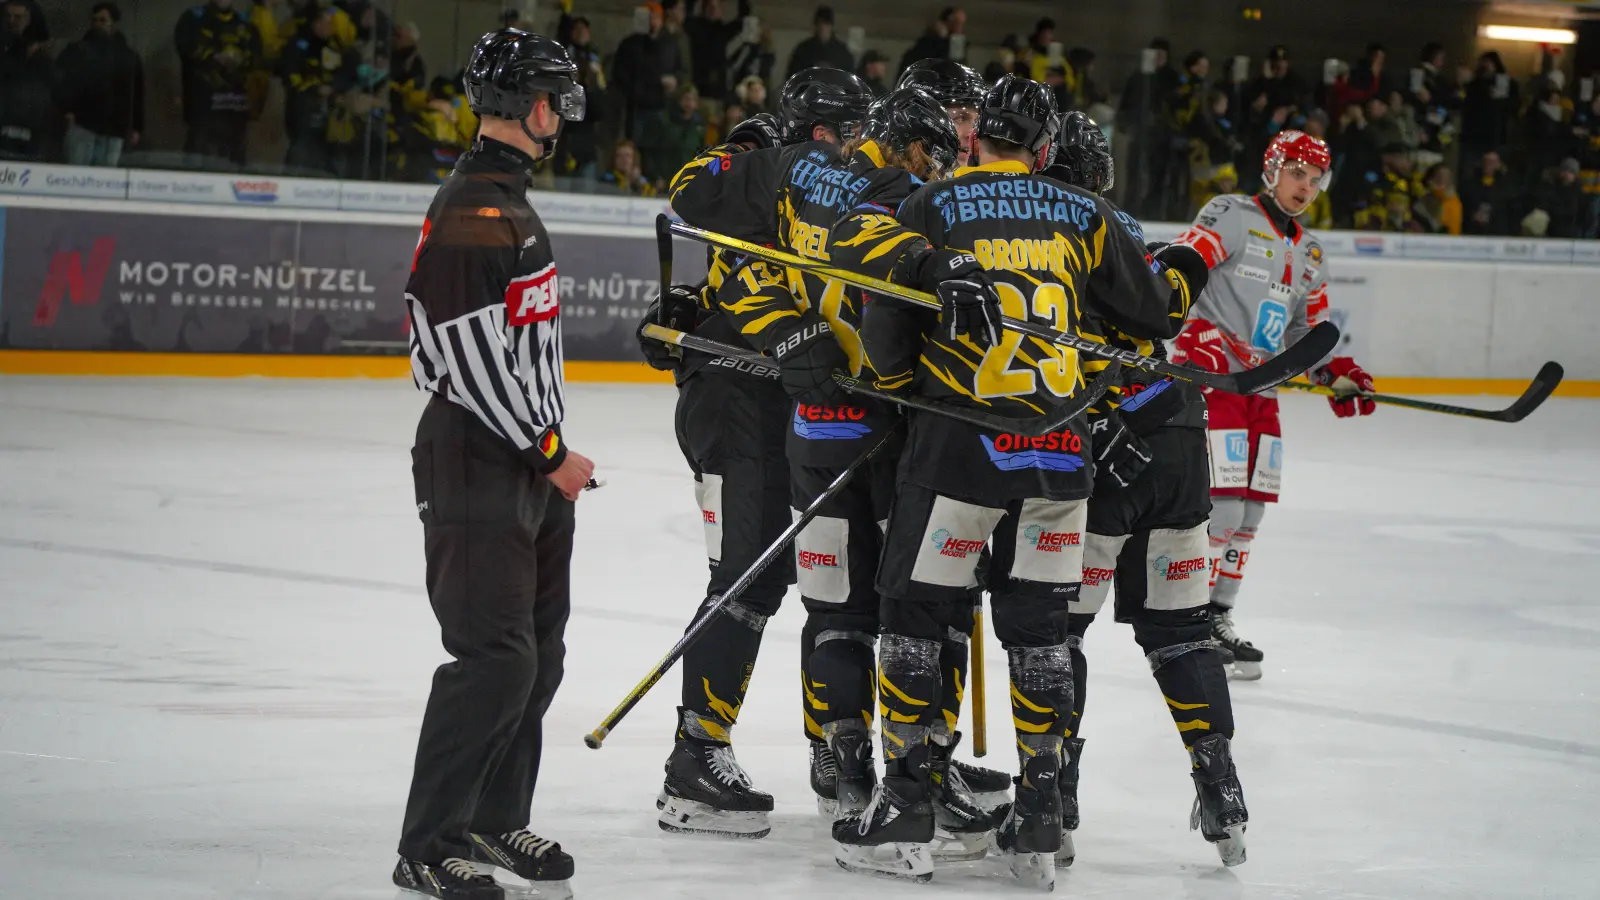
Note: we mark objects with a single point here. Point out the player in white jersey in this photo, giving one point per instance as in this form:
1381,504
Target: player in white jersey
1268,287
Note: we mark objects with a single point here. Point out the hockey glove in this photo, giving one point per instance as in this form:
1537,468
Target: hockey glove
1186,261
675,310
1200,345
1349,381
808,354
1119,454
759,132
970,305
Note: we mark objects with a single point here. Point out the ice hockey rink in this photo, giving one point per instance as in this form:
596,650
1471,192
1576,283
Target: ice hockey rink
215,649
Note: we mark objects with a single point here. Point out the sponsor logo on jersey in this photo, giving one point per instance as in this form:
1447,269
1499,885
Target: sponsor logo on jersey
1093,577
1257,250
1178,569
1314,253
533,298
950,545
1142,394
1010,452
532,239
810,424
1272,318
1239,447
709,516
1262,234
1051,541
811,559
1252,273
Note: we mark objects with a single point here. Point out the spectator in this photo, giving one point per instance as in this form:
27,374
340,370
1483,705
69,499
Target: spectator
1141,115
1561,198
1081,89
710,36
577,152
752,56
626,175
1548,132
220,48
1222,179
1439,210
936,42
1369,78
874,69
1038,59
1281,84
303,12
27,109
1008,59
823,48
311,61
1487,107
1389,193
673,136
101,91
732,114
1488,199
408,75
646,71
674,16
752,94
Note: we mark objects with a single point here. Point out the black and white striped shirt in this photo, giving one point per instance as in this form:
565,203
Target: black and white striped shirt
485,307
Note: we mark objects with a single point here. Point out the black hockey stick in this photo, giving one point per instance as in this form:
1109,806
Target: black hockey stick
1038,426
1538,391
1294,360
596,737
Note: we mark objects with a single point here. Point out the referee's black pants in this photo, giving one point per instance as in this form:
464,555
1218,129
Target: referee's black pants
498,537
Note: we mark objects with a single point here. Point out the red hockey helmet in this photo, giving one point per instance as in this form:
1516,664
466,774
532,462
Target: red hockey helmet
1299,147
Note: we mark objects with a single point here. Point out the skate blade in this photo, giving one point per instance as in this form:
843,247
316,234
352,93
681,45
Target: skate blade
906,862
1034,870
1243,671
1232,848
828,809
950,847
680,816
519,888
1067,853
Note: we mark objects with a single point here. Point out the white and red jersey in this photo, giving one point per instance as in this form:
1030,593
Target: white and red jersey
1267,288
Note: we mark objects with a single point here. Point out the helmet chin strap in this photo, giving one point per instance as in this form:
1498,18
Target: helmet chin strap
546,145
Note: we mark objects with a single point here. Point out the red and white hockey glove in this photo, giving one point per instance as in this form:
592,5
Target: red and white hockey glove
1200,345
1349,381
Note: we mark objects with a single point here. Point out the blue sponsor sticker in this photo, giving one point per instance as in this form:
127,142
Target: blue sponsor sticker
1239,447
1272,318
829,431
1030,459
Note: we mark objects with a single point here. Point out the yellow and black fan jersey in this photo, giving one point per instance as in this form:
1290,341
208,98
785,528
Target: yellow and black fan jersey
1055,255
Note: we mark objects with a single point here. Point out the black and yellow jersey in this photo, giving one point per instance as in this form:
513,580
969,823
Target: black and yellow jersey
1056,255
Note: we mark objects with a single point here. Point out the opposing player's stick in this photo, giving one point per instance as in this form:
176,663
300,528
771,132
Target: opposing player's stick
980,706
596,737
1037,426
1538,391
1294,360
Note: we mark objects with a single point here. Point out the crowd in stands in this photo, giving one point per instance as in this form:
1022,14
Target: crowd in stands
1417,147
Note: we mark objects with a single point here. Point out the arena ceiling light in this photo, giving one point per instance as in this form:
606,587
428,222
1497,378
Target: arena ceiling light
1531,35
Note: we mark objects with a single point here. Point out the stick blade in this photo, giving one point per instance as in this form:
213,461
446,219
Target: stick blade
1544,384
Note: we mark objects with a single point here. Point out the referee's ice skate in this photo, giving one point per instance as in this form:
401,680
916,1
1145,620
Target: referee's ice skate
538,861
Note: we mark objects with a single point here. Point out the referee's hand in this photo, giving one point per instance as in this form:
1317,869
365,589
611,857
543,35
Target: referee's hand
574,473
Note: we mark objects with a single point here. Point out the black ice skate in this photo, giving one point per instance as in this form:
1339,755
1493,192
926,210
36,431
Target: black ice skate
453,879
1073,749
825,779
990,789
1240,658
706,792
850,744
1219,812
1031,833
891,837
537,860
961,827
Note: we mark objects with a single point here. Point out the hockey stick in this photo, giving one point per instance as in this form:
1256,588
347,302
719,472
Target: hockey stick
1294,360
595,738
980,706
1538,391
1038,426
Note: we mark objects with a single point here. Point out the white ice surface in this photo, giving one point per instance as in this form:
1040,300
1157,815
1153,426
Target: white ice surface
215,648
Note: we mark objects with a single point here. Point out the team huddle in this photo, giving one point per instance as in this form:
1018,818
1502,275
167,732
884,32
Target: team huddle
987,198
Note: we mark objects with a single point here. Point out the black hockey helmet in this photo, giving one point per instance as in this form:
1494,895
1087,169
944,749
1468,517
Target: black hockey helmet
821,96
905,116
1082,156
951,83
1021,112
509,69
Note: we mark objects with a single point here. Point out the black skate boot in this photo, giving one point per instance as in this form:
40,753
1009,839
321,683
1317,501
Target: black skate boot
1069,801
961,827
851,743
1219,812
708,793
522,853
1031,834
825,779
892,835
990,789
453,879
1240,658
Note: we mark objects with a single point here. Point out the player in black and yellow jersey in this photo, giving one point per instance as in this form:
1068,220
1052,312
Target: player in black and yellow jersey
997,238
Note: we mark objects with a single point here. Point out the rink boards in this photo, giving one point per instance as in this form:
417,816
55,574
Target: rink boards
121,287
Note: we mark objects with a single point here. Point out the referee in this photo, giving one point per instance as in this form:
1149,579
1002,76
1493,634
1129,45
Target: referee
495,483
